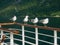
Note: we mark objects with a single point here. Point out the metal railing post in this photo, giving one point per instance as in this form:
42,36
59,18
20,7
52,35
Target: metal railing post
1,34
23,36
11,39
36,35
55,37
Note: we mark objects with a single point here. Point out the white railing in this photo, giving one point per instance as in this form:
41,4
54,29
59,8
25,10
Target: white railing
36,35
55,37
24,41
36,39
23,36
11,39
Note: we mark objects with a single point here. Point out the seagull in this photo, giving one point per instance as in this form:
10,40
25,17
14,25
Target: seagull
26,19
44,21
14,18
34,20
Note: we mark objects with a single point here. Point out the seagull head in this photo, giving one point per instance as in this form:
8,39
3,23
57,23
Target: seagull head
47,19
27,16
36,18
14,15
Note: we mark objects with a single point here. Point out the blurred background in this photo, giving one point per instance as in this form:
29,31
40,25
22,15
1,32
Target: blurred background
32,8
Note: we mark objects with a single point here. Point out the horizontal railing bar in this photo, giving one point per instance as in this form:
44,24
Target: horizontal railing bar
21,35
34,39
7,30
25,41
7,33
41,34
41,40
41,27
45,35
58,37
9,43
46,42
29,43
7,23
33,26
38,33
17,39
15,34
30,31
7,36
30,37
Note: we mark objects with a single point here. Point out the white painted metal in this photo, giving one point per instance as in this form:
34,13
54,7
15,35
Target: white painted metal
23,39
11,39
36,33
55,37
33,39
1,34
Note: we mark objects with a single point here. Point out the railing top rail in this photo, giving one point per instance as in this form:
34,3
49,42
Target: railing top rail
7,30
7,23
41,27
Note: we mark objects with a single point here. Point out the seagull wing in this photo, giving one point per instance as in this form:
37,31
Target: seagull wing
32,20
35,20
13,18
41,21
44,21
25,19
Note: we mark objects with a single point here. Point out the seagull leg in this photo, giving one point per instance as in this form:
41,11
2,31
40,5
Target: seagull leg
35,24
14,22
25,23
45,25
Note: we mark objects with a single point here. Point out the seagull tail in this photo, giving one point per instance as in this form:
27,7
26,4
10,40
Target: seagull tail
10,19
32,20
40,21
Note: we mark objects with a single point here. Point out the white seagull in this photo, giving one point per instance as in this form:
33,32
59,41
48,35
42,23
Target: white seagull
26,19
44,21
14,18
34,20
